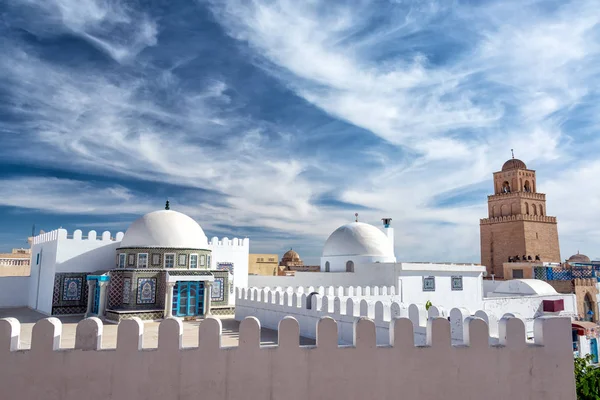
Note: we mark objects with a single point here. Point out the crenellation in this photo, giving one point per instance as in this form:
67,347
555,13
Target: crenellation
46,336
10,334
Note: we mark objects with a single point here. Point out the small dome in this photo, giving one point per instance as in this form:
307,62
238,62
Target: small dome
513,163
165,228
579,258
358,239
291,255
523,287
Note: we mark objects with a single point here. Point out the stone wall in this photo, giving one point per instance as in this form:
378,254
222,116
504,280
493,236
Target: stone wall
513,370
582,288
511,237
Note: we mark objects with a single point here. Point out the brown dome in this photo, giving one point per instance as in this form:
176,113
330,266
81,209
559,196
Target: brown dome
291,255
513,163
579,258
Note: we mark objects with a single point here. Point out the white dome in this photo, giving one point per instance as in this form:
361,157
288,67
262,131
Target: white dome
358,239
165,228
524,287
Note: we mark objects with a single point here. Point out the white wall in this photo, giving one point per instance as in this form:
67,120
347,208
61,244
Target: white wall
585,346
85,255
233,251
363,275
489,286
42,276
528,307
411,290
286,371
61,254
14,291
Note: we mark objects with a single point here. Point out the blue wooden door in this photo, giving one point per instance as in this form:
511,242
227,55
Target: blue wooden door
188,299
594,346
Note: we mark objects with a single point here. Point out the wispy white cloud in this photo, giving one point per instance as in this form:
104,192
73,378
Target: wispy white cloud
112,26
515,79
447,89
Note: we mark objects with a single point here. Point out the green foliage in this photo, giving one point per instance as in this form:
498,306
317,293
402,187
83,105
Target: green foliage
427,305
587,379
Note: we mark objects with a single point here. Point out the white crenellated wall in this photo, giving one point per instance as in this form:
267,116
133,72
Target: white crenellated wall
270,305
233,251
542,370
58,252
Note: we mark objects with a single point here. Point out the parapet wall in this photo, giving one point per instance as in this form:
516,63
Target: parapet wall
226,242
380,304
62,234
473,370
108,237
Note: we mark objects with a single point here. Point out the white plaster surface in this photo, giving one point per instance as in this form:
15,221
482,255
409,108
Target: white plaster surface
165,228
513,370
14,291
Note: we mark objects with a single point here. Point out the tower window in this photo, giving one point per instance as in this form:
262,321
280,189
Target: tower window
517,274
506,187
327,266
193,260
122,260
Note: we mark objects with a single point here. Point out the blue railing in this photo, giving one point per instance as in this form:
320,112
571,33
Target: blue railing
575,271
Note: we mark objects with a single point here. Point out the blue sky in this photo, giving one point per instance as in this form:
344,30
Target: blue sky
279,119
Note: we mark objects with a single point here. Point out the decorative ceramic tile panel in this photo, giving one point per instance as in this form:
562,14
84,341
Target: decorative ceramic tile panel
126,290
72,289
225,267
217,289
457,283
146,291
115,289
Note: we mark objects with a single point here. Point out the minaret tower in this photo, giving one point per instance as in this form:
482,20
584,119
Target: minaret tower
517,224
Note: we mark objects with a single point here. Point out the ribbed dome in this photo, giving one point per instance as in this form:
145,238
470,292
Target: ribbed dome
165,228
291,255
579,258
358,239
513,163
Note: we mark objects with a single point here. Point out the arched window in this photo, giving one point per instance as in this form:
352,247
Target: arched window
349,266
527,187
526,208
505,187
326,266
541,210
534,209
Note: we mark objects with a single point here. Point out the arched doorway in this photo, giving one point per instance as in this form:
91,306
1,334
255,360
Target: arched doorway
588,308
327,266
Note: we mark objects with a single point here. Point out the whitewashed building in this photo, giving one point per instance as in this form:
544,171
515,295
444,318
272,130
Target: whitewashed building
163,265
360,271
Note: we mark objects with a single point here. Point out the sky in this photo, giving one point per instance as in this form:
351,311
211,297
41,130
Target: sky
278,120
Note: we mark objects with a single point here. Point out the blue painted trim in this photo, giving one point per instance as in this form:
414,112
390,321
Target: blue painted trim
101,278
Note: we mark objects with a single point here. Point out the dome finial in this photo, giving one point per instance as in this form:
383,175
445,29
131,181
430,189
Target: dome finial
167,206
355,217
513,153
